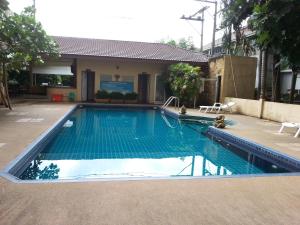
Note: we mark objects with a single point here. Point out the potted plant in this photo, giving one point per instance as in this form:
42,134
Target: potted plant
116,97
102,96
131,98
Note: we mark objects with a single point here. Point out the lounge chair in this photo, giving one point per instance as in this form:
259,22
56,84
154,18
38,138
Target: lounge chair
217,107
225,107
290,125
209,108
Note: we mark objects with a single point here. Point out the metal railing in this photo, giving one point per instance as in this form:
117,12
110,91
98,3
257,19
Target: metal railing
169,100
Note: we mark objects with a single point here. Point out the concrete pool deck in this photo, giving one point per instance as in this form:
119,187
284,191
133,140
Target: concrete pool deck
255,200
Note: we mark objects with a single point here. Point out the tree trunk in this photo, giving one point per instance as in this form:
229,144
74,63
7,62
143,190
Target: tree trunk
30,74
259,74
229,51
276,78
2,95
5,84
293,84
263,74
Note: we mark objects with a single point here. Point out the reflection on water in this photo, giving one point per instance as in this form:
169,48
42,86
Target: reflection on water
110,143
104,168
39,170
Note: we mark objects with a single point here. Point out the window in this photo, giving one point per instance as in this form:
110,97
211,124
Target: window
53,80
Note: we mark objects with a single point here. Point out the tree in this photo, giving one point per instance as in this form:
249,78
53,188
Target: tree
23,42
185,81
3,4
277,26
234,15
185,43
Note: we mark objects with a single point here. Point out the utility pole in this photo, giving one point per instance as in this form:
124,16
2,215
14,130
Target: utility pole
34,7
198,18
202,25
215,23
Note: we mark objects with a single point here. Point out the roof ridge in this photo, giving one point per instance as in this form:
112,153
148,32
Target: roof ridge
102,39
143,42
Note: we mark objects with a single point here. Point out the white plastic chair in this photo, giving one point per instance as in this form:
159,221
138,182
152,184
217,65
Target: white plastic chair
290,125
225,107
210,108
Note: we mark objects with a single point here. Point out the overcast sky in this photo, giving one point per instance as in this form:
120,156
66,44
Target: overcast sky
133,20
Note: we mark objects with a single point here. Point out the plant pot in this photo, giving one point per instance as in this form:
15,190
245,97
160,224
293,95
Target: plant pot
102,100
117,101
131,101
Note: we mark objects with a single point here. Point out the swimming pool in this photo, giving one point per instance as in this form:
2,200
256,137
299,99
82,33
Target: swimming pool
122,142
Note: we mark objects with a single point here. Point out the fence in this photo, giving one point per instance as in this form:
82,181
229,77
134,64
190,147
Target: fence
275,111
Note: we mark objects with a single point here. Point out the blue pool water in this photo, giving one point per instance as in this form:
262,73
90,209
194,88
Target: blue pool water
112,142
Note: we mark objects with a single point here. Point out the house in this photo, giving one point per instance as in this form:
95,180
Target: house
88,65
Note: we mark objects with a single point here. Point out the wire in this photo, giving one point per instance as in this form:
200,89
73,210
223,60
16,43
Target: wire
233,77
193,27
207,10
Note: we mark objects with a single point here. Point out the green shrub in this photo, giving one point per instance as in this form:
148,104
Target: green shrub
131,96
102,94
116,95
185,81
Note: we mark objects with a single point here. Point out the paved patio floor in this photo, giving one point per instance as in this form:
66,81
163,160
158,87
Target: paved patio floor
256,200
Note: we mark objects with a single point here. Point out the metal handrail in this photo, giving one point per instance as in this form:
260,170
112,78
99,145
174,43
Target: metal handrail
169,100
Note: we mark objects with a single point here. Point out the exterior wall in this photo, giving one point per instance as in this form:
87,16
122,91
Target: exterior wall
122,68
216,68
245,106
61,91
238,75
279,112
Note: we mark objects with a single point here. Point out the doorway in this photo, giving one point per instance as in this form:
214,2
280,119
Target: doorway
88,86
218,88
143,88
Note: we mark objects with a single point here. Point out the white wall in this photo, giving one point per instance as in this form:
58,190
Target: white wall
275,111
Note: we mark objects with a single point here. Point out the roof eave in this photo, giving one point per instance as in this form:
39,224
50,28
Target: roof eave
131,59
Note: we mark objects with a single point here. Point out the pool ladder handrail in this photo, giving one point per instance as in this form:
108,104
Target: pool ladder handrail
169,100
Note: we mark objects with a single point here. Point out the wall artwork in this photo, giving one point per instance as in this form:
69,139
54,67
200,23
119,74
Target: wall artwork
116,86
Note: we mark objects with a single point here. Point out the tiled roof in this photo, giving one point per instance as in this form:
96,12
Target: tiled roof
126,49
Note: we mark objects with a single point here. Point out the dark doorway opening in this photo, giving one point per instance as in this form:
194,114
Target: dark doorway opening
143,87
90,79
88,86
218,88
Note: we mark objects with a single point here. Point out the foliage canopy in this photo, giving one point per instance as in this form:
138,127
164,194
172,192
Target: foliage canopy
185,81
23,42
185,43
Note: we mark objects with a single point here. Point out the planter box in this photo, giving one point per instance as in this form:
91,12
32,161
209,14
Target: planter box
131,101
102,100
117,101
